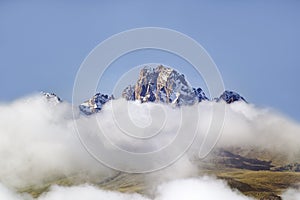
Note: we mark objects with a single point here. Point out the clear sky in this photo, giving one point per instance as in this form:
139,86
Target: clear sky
255,44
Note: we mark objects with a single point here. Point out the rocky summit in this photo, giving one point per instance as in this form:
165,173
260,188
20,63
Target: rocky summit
163,84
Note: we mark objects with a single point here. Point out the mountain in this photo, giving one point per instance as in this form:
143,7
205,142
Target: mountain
200,94
230,97
165,85
161,85
94,104
258,173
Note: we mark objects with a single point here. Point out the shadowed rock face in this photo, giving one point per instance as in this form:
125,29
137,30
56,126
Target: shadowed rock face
162,84
230,97
200,94
129,93
231,160
292,167
94,104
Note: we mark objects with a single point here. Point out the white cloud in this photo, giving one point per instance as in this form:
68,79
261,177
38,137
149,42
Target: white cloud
86,192
8,194
291,194
205,188
39,143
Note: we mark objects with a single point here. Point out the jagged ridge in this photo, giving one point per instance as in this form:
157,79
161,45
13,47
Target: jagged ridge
160,84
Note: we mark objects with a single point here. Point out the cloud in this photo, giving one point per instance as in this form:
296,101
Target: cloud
198,188
87,192
291,194
262,129
8,194
39,143
201,188
205,188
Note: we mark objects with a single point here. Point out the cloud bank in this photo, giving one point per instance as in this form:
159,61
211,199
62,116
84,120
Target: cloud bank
205,188
291,194
39,143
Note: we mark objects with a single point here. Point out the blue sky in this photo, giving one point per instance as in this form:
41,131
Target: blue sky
255,44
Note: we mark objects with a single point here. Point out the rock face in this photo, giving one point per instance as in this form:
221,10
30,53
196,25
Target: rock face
232,160
292,167
200,94
129,93
230,97
94,104
162,84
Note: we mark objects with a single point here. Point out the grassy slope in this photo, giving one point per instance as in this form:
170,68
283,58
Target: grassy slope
252,183
259,183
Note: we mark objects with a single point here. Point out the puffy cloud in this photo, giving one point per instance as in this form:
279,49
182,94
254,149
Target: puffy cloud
39,144
205,188
291,194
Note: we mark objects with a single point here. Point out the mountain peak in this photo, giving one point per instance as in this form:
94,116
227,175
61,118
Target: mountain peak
163,84
230,97
94,104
